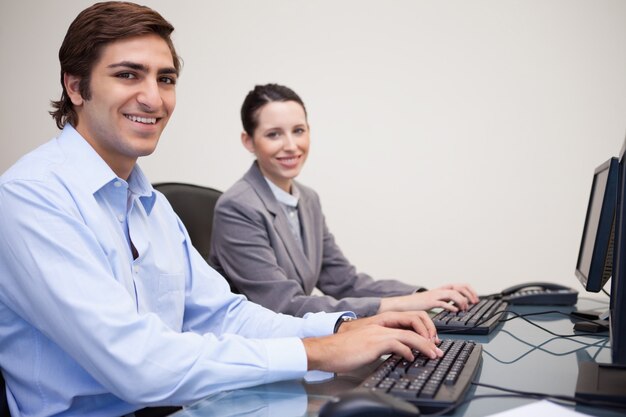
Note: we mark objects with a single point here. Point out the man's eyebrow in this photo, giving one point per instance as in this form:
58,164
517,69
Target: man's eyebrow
168,70
143,68
130,65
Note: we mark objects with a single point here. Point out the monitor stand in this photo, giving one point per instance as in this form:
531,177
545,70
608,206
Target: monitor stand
593,322
601,382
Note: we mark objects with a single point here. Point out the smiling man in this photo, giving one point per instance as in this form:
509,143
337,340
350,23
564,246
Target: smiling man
105,306
132,95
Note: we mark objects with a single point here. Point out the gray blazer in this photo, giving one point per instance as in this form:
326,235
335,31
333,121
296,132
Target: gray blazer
252,245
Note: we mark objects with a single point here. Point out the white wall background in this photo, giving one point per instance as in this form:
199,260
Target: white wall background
451,140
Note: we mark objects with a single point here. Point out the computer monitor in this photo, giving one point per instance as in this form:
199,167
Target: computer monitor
595,257
594,266
607,381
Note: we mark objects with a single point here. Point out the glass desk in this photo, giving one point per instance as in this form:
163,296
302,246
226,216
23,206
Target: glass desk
516,355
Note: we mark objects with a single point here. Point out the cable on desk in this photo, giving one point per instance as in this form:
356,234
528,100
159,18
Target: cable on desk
564,400
602,341
601,344
523,317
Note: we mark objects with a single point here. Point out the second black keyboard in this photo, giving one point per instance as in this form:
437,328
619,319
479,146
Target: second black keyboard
480,318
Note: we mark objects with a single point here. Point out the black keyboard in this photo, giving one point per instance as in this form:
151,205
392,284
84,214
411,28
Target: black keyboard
480,318
430,384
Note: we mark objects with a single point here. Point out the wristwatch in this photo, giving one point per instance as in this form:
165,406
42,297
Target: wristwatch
341,320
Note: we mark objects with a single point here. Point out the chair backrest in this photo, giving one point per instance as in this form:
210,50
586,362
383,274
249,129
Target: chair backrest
194,204
4,406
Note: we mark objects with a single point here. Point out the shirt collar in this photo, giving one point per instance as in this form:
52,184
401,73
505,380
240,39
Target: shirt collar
94,171
284,197
138,184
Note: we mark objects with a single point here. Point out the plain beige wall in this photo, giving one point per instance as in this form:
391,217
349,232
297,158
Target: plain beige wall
451,140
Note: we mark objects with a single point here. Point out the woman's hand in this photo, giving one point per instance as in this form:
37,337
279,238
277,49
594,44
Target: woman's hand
452,297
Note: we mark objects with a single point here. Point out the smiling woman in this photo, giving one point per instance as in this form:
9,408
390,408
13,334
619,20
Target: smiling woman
270,236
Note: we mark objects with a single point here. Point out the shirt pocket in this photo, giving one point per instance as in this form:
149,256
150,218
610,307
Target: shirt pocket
171,299
162,294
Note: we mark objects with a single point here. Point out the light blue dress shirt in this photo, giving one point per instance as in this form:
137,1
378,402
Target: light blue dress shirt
86,330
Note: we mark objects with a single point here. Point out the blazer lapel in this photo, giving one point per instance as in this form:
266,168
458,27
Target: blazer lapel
281,223
309,240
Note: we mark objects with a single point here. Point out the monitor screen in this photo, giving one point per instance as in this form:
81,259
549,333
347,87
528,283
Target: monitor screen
595,257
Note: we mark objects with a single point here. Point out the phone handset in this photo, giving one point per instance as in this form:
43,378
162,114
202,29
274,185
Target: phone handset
541,285
540,293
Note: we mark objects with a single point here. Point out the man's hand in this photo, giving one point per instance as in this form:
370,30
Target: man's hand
364,340
348,350
418,321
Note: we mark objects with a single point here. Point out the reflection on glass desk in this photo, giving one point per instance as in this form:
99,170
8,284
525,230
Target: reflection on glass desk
278,399
517,355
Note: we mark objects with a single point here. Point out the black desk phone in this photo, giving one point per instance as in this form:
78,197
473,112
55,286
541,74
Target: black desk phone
540,293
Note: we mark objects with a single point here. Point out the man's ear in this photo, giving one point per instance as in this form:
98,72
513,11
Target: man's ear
247,142
72,86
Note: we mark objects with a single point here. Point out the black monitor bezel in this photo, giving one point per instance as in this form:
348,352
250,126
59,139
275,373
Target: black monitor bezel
602,249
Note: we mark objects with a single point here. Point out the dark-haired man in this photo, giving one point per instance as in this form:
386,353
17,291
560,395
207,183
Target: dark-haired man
105,307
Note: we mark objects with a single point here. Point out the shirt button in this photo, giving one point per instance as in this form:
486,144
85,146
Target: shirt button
135,269
120,217
117,184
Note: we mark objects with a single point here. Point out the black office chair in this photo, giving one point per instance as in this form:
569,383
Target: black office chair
4,406
194,204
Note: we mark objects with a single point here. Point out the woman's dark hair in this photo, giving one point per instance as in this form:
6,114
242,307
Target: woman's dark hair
90,32
259,97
